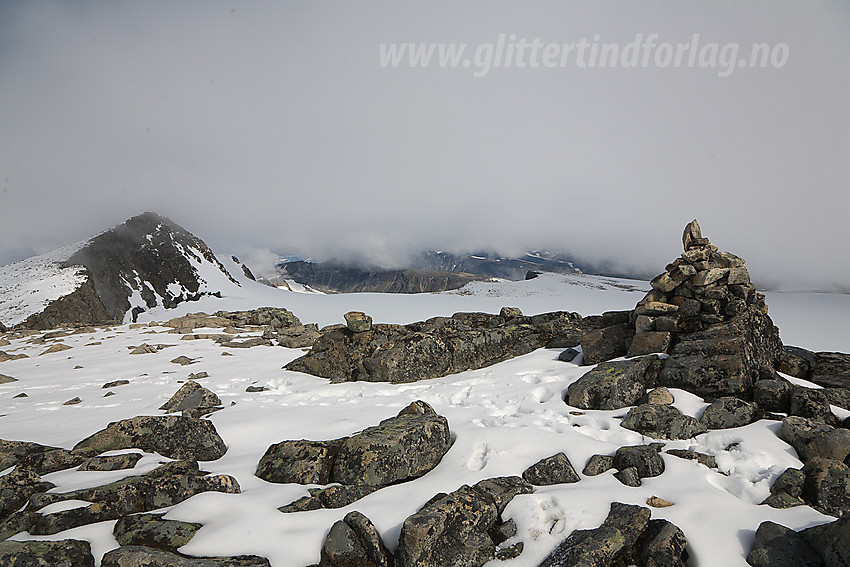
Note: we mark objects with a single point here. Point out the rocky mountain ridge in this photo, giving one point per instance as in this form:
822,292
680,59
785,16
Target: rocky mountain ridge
145,262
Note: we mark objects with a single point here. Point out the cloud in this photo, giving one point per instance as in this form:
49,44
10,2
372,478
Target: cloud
270,125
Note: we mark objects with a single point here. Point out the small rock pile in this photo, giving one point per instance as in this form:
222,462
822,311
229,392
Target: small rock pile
702,287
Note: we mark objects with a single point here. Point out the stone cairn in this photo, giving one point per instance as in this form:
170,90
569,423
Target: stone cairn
701,288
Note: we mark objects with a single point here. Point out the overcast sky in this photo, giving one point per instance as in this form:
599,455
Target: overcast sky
272,126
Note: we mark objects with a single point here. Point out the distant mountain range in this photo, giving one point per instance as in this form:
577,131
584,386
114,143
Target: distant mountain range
430,271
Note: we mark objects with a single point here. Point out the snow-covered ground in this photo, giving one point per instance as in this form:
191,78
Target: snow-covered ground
504,418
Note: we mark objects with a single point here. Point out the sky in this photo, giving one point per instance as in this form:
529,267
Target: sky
270,128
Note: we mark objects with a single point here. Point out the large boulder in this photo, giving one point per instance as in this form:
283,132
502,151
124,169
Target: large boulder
140,556
799,432
427,349
832,370
354,542
645,459
831,541
728,412
165,486
662,422
152,530
193,400
301,462
778,546
62,553
827,486
175,437
16,487
724,359
400,448
614,385
606,343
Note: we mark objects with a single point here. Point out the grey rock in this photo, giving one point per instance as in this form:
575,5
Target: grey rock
115,384
702,458
62,553
501,490
728,412
510,312
613,385
152,530
799,433
568,355
16,487
556,469
644,458
111,463
692,232
354,542
827,486
773,395
831,541
192,397
301,462
140,556
797,362
605,545
598,464
663,544
778,546
606,343
832,370
358,322
662,422
659,396
810,403
175,437
628,476
838,397
400,448
452,531
7,379
650,342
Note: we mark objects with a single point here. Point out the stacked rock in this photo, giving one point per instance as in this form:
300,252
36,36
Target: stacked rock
702,287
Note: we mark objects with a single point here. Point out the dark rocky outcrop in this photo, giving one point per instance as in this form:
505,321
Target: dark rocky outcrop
626,537
62,553
614,385
662,422
728,412
167,485
82,306
193,400
354,542
175,437
152,530
556,469
831,541
398,449
140,556
427,349
454,530
778,546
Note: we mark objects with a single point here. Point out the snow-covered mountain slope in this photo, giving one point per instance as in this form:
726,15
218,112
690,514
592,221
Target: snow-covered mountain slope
146,262
28,286
503,419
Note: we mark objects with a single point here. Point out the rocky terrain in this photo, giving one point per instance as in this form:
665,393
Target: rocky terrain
641,436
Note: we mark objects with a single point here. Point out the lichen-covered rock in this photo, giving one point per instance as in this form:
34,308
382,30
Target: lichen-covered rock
152,530
140,556
728,412
449,532
335,496
272,317
644,458
175,437
827,485
650,342
427,349
165,486
400,448
598,464
797,362
61,553
354,542
16,487
193,399
832,370
662,422
302,462
778,546
773,395
556,469
702,458
831,541
613,385
799,433
810,403
605,545
111,463
606,343
662,544
358,322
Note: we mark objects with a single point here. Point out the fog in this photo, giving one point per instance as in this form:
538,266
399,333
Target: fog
271,128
